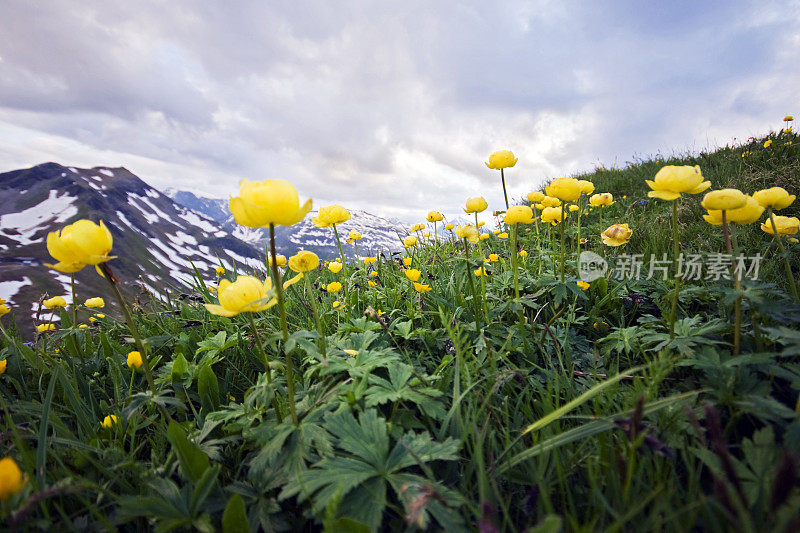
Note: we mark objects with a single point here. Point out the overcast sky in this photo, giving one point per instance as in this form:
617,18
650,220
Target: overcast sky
390,107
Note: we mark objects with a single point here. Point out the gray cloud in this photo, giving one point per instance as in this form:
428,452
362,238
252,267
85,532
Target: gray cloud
391,108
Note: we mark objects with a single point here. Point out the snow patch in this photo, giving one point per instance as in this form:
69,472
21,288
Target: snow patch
10,288
106,172
54,210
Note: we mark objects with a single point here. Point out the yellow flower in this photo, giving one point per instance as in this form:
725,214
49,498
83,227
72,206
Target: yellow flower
494,257
354,235
788,118
468,232
427,235
587,187
787,143
724,200
45,327
419,287
335,266
11,479
333,287
616,235
549,201
573,208
370,260
413,274
109,421
784,225
671,181
767,143
482,237
95,303
518,214
449,225
540,207
371,283
337,305
565,189
774,197
351,353
330,215
261,203
746,153
480,272
787,130
3,364
4,310
280,259
791,240
552,215
503,235
417,227
583,241
583,285
245,295
79,244
407,261
373,274
502,159
747,214
523,253
82,326
435,216
601,199
476,205
409,241
134,360
220,271
304,261
535,196
54,303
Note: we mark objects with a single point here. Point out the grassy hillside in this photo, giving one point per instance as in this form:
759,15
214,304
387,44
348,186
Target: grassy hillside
426,397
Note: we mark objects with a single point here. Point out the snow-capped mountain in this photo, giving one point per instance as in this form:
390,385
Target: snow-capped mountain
156,240
378,234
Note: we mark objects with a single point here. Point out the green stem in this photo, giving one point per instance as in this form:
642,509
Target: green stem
261,352
315,311
344,263
786,265
472,288
503,178
580,211
737,306
676,279
284,329
75,316
562,223
109,276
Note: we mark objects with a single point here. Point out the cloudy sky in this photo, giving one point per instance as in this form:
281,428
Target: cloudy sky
390,107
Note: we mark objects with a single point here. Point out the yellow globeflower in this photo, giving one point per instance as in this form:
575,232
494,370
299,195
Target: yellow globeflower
482,237
468,232
476,205
96,302
435,216
373,274
587,187
370,260
413,274
494,257
552,215
79,244
502,159
788,118
449,225
549,201
134,360
480,272
280,260
417,227
3,364
747,214
303,261
354,235
220,270
4,310
351,353
767,143
11,479
109,421
523,253
407,261
333,287
672,180
420,287
616,235
245,295
371,283
572,208
784,225
518,214
774,197
409,241
330,215
45,327
535,196
601,199
724,200
261,203
335,266
56,302
583,285
504,235
565,189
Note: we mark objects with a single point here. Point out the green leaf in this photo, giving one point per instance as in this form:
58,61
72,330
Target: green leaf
208,388
192,460
179,367
234,519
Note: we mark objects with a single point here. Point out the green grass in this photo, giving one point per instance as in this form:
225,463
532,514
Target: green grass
566,409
